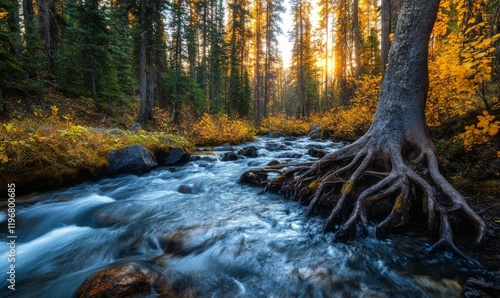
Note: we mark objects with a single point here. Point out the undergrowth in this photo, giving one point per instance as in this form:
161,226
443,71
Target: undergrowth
53,143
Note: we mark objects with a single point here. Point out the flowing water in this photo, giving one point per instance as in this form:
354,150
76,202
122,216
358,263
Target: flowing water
213,237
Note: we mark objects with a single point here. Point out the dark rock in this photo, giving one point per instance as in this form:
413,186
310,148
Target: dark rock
273,163
290,139
314,152
478,288
290,155
124,280
275,146
209,158
135,127
223,148
175,157
253,178
229,156
186,189
134,159
275,135
248,151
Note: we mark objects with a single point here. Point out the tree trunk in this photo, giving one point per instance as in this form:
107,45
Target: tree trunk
395,161
357,38
143,108
386,31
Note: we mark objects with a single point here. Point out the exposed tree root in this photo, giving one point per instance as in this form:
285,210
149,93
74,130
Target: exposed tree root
370,171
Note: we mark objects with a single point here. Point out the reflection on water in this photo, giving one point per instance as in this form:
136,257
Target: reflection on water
213,237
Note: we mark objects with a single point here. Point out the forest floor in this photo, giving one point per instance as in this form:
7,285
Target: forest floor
484,197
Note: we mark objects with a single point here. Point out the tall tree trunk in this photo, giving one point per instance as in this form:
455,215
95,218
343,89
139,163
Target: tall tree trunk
356,38
15,27
386,31
395,161
143,108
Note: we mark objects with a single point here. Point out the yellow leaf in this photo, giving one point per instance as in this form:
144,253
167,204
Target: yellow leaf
8,126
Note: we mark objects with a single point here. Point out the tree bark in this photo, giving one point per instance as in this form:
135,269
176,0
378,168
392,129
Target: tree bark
395,161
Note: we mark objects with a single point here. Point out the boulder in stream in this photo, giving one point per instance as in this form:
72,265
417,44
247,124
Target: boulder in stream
123,280
229,156
250,151
175,156
134,159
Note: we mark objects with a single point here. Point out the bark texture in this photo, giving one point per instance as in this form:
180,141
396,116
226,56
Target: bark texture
394,163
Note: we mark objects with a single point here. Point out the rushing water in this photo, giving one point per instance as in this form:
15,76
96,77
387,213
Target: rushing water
228,240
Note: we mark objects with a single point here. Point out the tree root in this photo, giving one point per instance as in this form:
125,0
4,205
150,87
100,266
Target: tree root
365,173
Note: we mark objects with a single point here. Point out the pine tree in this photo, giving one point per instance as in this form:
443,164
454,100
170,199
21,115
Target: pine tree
93,39
10,68
304,76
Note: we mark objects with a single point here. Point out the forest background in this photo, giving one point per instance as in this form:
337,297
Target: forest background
76,75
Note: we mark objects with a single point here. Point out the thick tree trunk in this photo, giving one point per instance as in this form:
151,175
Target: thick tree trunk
395,161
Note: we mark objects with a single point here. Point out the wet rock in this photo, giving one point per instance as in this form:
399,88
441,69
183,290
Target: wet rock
272,146
248,151
185,189
134,159
274,135
124,280
229,156
314,152
290,155
208,158
105,219
223,148
273,163
290,139
253,178
175,156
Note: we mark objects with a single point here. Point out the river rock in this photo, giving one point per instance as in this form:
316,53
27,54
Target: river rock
208,158
175,156
223,148
124,280
134,159
272,146
290,155
315,152
250,151
229,156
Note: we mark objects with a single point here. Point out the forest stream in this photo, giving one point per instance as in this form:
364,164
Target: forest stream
214,237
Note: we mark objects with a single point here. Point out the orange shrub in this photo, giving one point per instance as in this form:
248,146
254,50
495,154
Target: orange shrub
212,130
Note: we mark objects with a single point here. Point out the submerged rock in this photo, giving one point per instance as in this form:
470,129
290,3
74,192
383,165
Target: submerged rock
124,280
250,151
134,159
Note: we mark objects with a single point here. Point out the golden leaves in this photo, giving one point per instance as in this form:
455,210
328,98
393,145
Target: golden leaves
481,132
